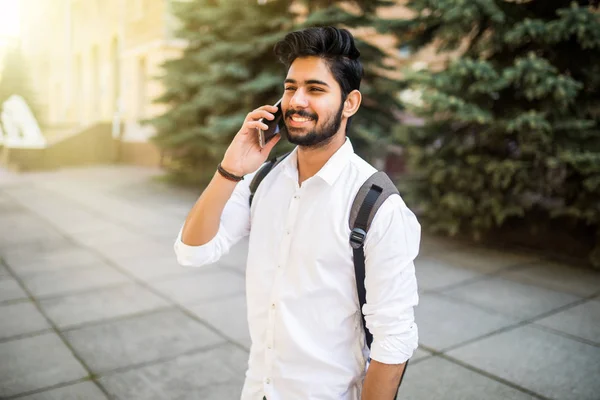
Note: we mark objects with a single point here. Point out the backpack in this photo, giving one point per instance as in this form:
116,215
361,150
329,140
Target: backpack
374,191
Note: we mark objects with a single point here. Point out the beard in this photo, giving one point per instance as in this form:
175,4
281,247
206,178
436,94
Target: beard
318,137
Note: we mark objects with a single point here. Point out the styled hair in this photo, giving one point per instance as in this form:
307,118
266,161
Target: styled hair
335,46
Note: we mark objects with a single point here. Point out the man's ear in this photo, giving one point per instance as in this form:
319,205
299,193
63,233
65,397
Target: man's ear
352,103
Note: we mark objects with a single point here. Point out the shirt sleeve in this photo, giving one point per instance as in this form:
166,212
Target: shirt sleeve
391,246
234,225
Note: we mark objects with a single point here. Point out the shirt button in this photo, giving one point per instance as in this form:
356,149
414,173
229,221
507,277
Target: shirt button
273,306
268,381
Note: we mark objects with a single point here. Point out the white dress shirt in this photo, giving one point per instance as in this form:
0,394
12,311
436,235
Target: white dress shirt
303,311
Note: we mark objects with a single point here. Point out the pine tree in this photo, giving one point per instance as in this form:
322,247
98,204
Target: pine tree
512,125
229,69
226,70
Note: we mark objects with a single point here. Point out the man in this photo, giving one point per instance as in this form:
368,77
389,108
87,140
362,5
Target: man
303,312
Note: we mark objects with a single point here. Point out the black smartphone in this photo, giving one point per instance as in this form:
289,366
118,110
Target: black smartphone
265,136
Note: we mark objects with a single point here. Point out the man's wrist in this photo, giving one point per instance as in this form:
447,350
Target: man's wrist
229,174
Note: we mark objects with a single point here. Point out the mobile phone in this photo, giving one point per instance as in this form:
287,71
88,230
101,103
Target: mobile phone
273,126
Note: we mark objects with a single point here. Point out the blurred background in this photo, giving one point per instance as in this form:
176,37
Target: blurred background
114,114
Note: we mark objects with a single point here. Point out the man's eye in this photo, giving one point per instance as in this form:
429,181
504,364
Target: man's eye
290,88
316,89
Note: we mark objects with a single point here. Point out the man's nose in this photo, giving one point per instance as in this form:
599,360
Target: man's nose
299,99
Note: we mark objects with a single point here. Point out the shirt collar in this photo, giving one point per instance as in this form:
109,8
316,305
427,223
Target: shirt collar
332,168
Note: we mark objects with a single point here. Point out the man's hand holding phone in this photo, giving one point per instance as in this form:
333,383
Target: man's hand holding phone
245,154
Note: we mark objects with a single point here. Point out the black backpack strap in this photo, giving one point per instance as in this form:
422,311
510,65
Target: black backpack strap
367,201
263,172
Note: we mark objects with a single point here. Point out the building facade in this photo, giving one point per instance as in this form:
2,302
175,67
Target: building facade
95,61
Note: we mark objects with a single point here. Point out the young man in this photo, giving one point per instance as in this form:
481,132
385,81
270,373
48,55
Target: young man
305,324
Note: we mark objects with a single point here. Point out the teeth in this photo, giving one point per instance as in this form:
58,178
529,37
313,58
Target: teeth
300,119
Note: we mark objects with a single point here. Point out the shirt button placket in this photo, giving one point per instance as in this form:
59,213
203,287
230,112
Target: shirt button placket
284,255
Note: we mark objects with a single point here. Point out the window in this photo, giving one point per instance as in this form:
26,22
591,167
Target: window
95,92
141,101
116,74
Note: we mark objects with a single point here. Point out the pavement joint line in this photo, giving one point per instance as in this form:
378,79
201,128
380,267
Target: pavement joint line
484,276
118,318
441,354
55,329
13,301
97,213
162,360
493,377
27,335
27,275
76,292
142,283
80,205
491,310
52,387
565,334
529,321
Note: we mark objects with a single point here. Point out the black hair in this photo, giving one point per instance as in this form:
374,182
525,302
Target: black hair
335,46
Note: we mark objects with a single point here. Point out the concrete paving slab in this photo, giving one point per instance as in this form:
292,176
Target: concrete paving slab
36,362
77,225
512,298
81,308
192,289
141,249
140,339
24,229
110,239
444,322
439,379
227,315
79,391
9,207
582,321
4,274
19,319
154,268
63,258
37,247
186,377
72,280
419,354
559,277
432,245
433,274
485,260
237,256
11,290
549,364
230,390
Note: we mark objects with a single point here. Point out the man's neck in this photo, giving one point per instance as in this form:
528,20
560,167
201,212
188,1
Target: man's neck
311,160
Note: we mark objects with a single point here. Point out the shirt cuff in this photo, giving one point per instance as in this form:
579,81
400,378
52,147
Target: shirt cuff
395,349
196,256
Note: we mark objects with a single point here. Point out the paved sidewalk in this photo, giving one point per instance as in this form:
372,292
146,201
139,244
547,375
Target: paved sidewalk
94,306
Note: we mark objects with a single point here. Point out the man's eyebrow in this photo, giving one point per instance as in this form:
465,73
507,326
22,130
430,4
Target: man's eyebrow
308,82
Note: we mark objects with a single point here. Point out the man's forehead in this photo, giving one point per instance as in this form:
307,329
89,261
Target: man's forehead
310,69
